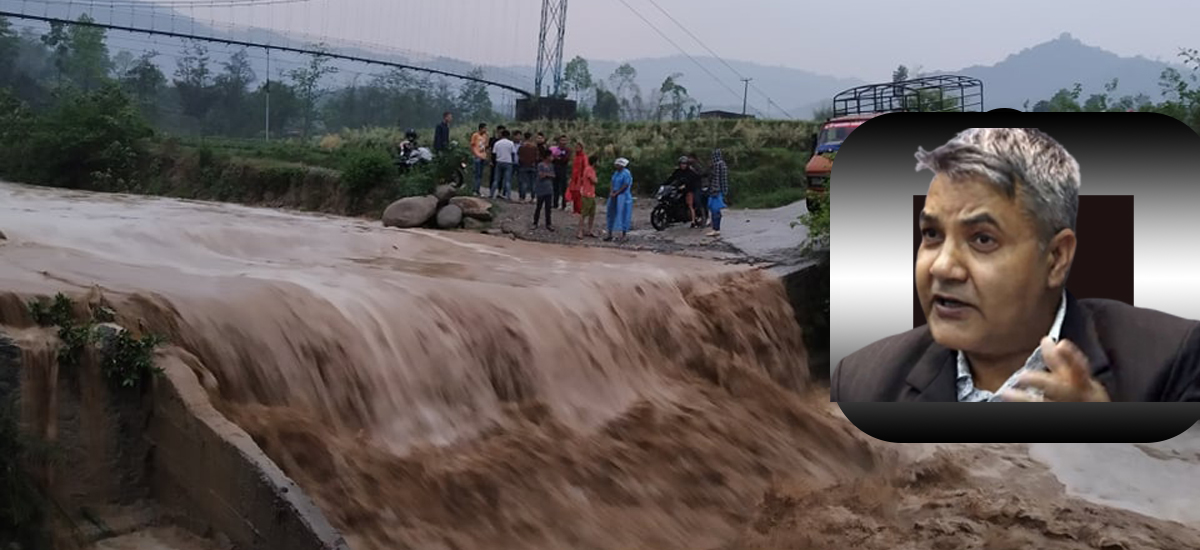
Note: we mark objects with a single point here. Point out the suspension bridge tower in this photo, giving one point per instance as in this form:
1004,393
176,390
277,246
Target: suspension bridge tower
549,78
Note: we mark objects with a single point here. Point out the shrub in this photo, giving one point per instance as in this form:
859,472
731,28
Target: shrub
90,140
364,169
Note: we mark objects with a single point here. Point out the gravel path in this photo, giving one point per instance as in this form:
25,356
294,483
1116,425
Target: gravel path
516,219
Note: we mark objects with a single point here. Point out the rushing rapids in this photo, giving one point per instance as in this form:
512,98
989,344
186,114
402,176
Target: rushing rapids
456,389
439,390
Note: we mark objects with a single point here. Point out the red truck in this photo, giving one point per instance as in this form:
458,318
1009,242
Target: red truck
853,107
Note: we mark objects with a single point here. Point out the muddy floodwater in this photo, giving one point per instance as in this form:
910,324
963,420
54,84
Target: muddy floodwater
463,391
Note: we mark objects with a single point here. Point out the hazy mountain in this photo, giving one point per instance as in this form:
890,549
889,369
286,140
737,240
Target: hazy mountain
792,90
1037,73
1030,75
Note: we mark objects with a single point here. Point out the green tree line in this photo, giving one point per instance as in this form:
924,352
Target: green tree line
209,95
1180,96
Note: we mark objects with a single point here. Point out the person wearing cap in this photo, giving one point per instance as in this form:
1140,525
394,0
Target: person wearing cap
619,208
689,180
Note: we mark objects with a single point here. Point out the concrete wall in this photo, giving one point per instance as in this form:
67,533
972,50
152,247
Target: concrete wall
165,450
807,287
206,465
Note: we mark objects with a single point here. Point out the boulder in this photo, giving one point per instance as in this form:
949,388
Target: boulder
443,193
472,224
3,237
474,207
449,217
104,337
410,211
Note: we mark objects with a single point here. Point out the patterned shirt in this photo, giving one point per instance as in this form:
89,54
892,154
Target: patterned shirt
968,393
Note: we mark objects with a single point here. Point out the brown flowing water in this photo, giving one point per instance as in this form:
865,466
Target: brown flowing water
458,390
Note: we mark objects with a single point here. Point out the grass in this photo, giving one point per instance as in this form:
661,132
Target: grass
771,199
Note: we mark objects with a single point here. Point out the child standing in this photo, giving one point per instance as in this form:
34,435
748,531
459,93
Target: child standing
587,198
544,190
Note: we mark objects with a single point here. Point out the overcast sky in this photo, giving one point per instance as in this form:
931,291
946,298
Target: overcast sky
862,38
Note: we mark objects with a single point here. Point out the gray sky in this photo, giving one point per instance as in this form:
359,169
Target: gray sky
863,38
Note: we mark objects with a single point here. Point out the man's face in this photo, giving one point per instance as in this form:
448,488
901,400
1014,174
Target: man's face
562,142
981,274
541,139
449,118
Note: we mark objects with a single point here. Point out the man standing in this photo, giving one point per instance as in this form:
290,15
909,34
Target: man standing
997,243
719,174
505,153
441,135
492,150
527,167
479,150
562,171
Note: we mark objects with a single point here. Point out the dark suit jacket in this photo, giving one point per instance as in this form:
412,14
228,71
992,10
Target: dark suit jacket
1138,355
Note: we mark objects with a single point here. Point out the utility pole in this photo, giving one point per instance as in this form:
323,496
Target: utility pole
267,90
745,94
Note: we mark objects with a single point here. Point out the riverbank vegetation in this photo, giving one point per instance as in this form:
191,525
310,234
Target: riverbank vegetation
75,114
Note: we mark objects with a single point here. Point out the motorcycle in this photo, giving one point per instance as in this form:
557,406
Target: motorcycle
672,207
408,157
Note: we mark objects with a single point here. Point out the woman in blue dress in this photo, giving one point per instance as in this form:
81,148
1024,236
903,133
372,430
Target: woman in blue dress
620,201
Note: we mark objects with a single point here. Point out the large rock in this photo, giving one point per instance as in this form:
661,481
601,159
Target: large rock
449,217
104,337
474,207
410,211
472,224
444,193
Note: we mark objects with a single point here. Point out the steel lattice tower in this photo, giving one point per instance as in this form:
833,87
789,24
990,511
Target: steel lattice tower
550,56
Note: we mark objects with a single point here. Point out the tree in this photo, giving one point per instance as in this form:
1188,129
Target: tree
474,102
608,107
59,42
193,83
233,110
88,62
10,47
307,84
121,63
629,96
900,74
823,112
578,77
145,82
673,99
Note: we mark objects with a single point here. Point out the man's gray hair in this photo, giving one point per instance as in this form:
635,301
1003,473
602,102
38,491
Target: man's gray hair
1008,157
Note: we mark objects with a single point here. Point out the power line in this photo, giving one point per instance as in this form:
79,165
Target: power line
681,50
714,54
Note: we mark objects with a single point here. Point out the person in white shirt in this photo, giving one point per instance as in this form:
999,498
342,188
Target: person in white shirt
505,151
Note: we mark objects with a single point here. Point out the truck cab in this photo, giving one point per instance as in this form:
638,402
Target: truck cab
853,107
828,140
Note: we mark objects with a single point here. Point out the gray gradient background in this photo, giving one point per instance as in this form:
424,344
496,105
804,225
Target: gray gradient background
1153,157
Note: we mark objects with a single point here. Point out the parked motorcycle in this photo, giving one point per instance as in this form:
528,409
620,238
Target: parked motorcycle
408,156
672,207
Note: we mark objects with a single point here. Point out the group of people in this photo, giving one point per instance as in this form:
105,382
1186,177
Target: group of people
556,173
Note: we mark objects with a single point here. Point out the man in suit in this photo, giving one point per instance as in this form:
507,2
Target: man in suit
997,243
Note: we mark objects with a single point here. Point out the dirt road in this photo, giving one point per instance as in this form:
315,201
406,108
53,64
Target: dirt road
748,236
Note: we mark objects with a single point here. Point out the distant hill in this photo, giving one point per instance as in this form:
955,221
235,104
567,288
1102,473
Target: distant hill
1030,75
795,91
1038,72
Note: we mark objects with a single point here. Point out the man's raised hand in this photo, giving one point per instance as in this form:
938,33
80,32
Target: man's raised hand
1069,379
